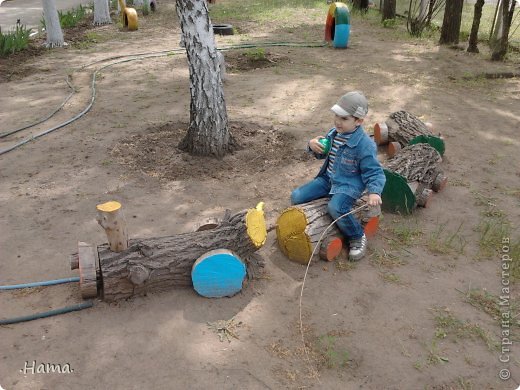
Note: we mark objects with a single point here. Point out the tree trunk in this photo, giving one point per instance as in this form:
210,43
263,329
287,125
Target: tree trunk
299,228
501,45
419,163
473,37
208,133
361,5
401,127
157,264
389,9
52,24
451,22
101,12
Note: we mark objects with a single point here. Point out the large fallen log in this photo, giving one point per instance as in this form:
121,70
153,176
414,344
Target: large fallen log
157,264
411,176
299,228
403,128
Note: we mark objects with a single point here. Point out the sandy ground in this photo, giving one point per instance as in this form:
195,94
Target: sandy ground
400,319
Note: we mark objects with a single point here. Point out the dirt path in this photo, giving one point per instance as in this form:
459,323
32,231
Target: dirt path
400,319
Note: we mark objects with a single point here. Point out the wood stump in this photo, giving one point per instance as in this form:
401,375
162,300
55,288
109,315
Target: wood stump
299,228
410,178
158,264
403,128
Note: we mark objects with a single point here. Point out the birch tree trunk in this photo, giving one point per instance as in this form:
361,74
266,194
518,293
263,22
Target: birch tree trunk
52,24
208,133
101,12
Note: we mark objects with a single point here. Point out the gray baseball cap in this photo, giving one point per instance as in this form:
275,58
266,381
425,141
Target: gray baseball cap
352,103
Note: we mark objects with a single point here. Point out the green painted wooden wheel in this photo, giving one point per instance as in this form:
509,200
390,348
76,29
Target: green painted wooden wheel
397,195
435,142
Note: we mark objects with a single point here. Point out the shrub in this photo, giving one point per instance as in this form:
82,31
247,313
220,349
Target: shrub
14,40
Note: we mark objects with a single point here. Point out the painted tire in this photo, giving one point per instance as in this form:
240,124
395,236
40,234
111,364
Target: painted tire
223,29
337,26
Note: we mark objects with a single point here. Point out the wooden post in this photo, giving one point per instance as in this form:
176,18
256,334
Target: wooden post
111,218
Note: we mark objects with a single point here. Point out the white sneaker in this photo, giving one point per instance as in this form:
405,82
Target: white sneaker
358,249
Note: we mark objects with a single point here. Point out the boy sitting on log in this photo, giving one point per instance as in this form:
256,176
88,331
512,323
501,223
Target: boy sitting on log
351,167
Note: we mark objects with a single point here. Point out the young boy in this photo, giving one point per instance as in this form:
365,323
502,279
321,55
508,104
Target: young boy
350,167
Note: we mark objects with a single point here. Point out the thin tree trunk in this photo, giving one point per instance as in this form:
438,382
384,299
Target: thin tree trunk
208,133
502,44
389,9
101,12
52,24
451,22
473,38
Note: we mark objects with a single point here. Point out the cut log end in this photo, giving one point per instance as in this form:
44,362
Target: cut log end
290,233
381,133
218,273
429,126
109,207
424,198
393,148
255,223
440,182
87,255
371,227
330,248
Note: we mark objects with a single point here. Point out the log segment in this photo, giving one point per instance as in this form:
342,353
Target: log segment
111,218
299,228
403,128
410,178
157,264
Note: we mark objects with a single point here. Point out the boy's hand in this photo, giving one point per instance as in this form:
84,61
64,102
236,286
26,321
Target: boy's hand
374,200
315,146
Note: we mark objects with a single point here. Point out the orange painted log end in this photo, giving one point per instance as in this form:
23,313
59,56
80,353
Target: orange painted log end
331,248
393,148
371,227
381,133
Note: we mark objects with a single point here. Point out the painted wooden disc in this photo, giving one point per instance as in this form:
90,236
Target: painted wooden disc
218,273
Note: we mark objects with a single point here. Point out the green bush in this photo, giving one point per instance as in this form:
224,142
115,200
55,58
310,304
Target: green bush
14,40
70,18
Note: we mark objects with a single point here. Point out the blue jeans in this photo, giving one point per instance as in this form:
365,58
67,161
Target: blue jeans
339,204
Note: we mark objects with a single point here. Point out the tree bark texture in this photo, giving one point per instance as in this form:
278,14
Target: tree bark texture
451,22
402,127
473,37
501,45
52,24
157,264
389,7
101,12
361,5
208,133
419,163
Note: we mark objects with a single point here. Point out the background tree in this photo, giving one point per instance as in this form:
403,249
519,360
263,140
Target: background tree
473,37
361,5
500,43
389,9
101,12
208,133
451,22
52,24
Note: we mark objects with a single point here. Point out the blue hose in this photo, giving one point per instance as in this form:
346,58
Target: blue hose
63,310
37,284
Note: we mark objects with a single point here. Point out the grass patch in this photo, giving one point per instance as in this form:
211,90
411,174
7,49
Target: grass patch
268,11
390,277
344,265
384,259
448,325
332,356
442,241
14,40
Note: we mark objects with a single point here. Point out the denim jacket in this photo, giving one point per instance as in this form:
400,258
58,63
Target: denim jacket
356,166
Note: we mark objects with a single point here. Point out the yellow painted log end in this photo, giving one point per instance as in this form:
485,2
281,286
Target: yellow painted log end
131,19
255,223
109,207
291,236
